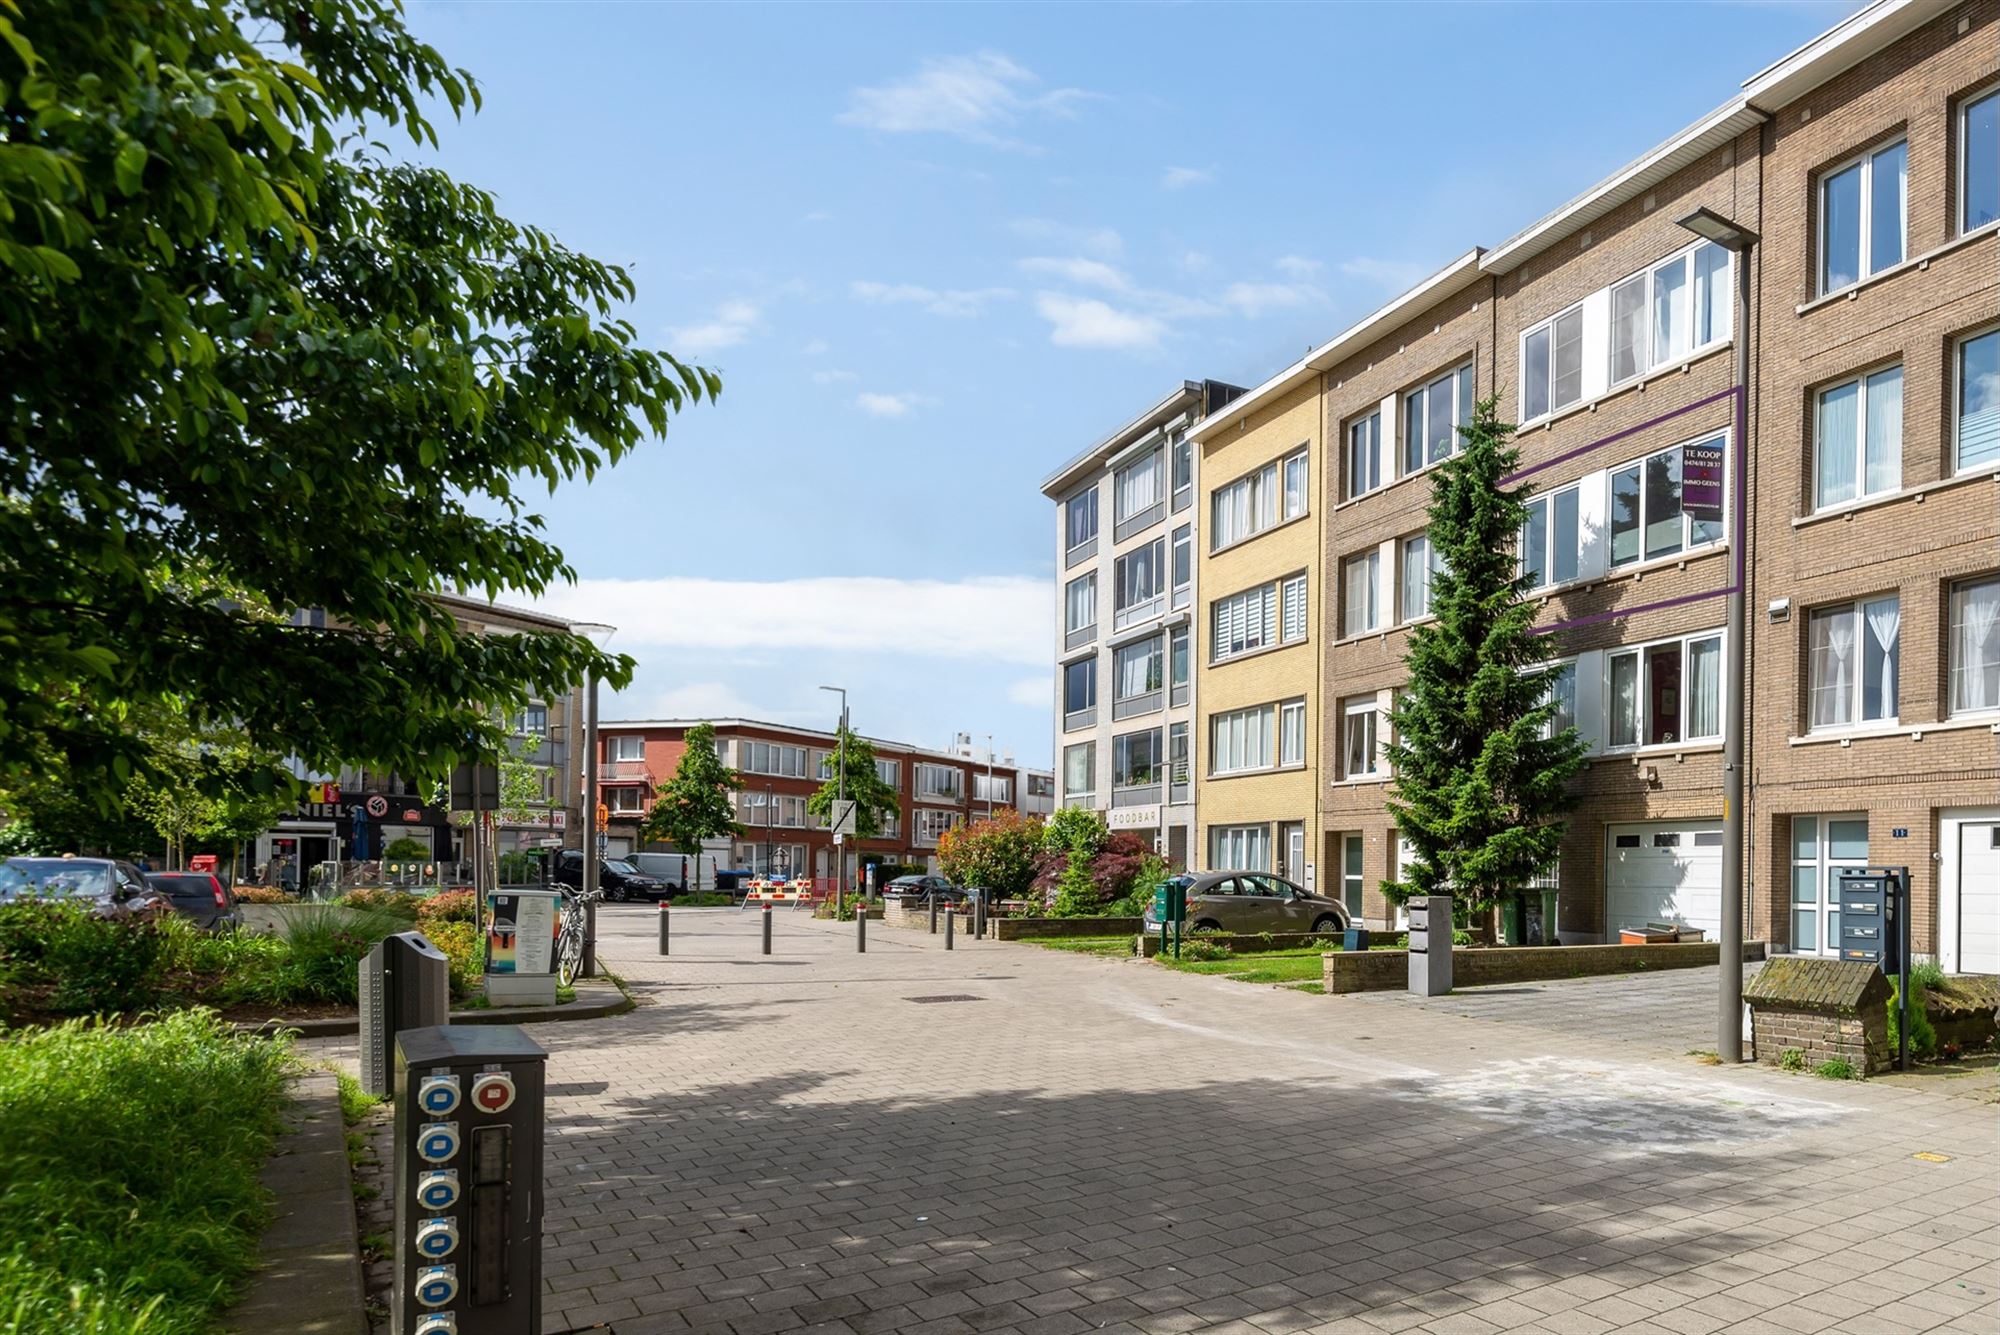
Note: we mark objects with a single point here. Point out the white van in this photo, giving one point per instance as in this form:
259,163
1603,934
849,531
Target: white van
679,871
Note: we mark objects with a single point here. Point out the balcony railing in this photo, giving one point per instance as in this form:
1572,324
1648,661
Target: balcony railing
1139,521
1134,705
1139,795
616,770
1082,635
1079,718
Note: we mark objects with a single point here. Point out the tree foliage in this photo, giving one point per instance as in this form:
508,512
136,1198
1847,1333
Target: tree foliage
1479,789
253,364
997,854
699,801
865,786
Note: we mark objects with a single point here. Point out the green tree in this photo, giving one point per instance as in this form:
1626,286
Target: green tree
206,786
254,364
1479,788
998,854
875,799
699,801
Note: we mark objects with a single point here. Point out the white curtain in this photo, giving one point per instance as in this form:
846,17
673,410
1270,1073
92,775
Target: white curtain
1625,700
1885,618
1975,651
1838,419
1705,689
1832,669
1139,486
1883,450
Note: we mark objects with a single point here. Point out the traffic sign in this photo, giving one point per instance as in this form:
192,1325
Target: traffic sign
603,815
549,841
844,814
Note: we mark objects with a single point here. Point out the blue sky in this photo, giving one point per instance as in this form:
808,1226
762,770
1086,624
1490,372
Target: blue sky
936,250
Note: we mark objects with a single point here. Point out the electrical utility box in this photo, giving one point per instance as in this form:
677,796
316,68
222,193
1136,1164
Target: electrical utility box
468,1181
1430,945
405,984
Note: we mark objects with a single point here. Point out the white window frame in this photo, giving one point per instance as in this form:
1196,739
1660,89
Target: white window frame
1256,610
1405,614
929,787
1089,667
1258,501
1855,699
889,772
1364,434
1239,848
1463,379
1864,259
1292,741
1353,709
1292,609
626,798
1957,670
1559,670
1086,498
1649,356
1242,741
1824,907
1154,647
1181,551
1088,751
1546,503
1124,613
1548,327
1643,694
1180,451
930,824
1371,561
1865,395
1977,98
1959,349
1159,737
1086,586
1294,486
1687,543
1125,500
625,748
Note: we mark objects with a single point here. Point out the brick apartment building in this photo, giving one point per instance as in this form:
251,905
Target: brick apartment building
1867,163
782,766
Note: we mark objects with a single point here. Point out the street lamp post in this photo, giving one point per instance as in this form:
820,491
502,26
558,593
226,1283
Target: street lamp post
770,819
1741,242
839,798
989,776
600,635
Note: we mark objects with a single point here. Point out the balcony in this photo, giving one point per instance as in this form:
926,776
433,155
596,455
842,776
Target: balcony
624,771
1134,705
1079,637
1139,521
1083,551
1138,612
1080,718
1140,795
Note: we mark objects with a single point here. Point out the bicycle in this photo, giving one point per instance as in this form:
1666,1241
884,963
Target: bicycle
570,934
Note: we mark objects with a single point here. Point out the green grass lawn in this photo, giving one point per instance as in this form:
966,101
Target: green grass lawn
1271,966
1109,946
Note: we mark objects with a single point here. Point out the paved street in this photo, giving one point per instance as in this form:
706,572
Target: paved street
1004,1138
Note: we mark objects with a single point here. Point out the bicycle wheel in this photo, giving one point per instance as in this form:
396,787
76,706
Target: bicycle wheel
569,954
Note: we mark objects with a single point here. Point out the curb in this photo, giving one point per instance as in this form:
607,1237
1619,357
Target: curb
310,1277
594,1001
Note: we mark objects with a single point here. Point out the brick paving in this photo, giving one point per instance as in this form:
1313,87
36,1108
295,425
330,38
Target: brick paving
795,1144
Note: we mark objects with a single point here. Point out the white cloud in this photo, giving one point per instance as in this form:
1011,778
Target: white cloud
1195,262
1081,322
996,618
1100,240
702,699
1180,178
1394,274
817,216
816,348
1254,299
733,322
938,301
832,377
886,405
975,97
1031,691
1087,273
1297,266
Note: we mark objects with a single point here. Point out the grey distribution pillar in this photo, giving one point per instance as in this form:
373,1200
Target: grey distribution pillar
1430,945
405,984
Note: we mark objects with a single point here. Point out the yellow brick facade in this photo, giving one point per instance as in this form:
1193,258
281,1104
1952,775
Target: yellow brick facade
1282,799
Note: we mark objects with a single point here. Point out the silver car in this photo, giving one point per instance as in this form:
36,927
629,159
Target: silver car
1254,901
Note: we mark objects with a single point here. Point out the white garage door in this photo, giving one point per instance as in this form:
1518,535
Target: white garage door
1664,873
1979,899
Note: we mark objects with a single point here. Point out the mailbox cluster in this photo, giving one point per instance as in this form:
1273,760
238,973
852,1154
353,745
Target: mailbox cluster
468,1181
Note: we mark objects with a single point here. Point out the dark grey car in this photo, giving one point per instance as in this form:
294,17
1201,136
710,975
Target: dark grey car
923,889
1254,901
108,887
198,895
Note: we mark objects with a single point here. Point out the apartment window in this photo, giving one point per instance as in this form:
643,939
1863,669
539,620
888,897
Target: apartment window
1138,487
941,781
1240,740
1979,161
626,799
1080,605
532,721
1243,623
1667,693
992,788
1136,758
1861,216
1360,584
787,762
1432,414
1079,769
1080,519
1183,565
1852,663
1552,539
1353,852
1080,693
1041,785
1292,624
1978,427
1183,464
1239,848
1295,471
1420,562
1562,693
1360,755
627,748
1177,761
932,822
1138,672
890,772
1139,580
1663,314
1975,646
1552,365
1292,733
1364,455
1647,520
1859,447
1177,662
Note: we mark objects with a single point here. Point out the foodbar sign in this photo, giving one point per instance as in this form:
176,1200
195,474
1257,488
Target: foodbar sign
1701,481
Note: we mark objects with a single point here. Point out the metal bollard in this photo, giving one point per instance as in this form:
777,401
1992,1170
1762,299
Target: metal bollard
663,928
934,900
948,919
979,914
861,928
767,929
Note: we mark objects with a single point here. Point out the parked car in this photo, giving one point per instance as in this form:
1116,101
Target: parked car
199,895
678,871
112,889
1254,901
923,889
617,878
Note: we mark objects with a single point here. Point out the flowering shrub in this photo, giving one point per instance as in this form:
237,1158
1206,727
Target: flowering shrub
263,894
459,940
448,906
399,902
998,854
